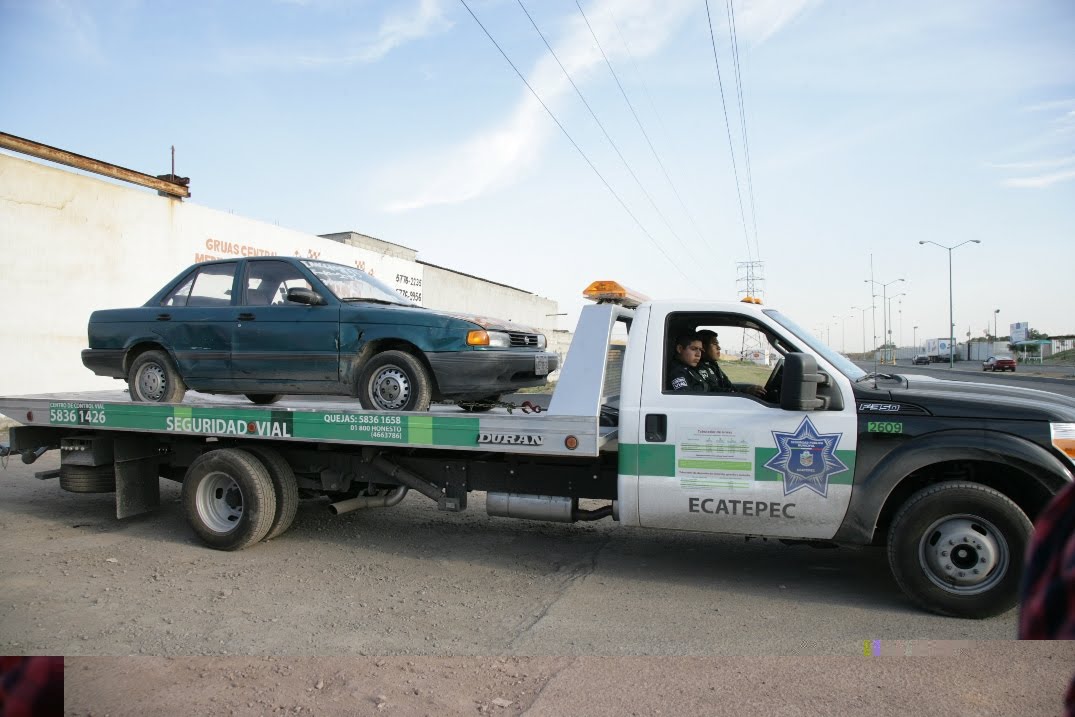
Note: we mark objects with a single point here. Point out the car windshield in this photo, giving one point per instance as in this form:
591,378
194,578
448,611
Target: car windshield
841,362
350,284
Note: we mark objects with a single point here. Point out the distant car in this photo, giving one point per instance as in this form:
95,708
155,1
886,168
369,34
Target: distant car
270,326
998,363
920,359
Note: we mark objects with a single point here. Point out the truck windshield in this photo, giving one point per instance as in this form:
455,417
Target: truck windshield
350,284
841,362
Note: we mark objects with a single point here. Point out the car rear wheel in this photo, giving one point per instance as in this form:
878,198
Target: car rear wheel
394,381
153,378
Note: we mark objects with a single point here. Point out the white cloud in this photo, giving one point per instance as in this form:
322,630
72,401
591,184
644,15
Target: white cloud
424,18
759,20
1041,181
79,28
503,152
1037,165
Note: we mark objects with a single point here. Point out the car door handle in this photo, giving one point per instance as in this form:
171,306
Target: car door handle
245,316
164,317
656,427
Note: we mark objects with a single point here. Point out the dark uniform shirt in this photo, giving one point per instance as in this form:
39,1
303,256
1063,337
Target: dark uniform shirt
1047,599
715,379
686,379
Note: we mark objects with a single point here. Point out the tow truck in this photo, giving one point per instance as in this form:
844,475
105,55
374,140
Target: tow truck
946,476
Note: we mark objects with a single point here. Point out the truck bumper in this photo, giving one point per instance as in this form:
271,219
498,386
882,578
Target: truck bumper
104,362
477,374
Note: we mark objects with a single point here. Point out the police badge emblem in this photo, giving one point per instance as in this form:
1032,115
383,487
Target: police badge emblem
806,458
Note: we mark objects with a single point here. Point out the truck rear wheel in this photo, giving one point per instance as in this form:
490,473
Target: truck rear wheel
228,498
284,486
957,549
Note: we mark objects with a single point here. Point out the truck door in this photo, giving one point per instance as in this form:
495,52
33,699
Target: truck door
727,458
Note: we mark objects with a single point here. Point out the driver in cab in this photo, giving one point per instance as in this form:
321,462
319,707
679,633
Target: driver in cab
696,368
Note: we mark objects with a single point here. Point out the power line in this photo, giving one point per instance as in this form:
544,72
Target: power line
629,105
731,147
657,114
623,159
743,122
574,143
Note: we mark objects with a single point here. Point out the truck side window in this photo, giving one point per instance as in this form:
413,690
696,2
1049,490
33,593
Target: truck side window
737,357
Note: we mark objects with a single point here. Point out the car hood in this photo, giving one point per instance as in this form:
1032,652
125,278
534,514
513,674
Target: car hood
492,324
969,399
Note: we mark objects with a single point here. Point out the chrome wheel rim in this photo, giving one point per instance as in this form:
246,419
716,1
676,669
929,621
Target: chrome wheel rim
220,502
390,389
152,382
964,554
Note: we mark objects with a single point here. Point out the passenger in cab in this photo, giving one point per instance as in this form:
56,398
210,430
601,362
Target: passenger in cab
684,375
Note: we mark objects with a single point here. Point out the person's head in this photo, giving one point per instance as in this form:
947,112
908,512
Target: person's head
689,349
710,345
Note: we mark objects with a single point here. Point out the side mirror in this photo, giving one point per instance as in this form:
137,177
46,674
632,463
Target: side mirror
304,296
798,387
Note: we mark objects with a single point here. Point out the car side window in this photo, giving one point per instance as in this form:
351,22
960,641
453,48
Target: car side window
208,286
267,283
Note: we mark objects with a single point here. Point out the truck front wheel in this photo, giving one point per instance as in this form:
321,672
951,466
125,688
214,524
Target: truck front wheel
228,498
957,549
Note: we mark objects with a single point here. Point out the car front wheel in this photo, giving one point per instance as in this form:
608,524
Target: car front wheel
394,381
154,379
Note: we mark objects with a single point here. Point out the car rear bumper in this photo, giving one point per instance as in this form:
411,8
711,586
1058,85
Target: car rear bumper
104,362
479,374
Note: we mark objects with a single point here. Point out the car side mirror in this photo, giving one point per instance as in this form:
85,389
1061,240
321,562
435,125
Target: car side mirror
300,295
798,387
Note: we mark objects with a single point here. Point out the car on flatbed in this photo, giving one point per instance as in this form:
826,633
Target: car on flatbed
999,363
269,326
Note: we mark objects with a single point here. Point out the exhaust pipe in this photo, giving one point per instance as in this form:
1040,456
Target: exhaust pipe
370,501
554,508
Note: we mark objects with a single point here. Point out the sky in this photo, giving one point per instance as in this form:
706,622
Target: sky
869,127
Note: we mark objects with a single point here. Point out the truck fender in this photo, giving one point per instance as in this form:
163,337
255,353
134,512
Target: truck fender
870,492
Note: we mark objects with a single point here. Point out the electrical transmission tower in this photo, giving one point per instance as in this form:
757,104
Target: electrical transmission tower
750,282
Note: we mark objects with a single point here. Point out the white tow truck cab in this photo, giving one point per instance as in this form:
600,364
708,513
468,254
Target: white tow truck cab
809,449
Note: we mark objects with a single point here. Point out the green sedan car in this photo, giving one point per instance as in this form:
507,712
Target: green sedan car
269,326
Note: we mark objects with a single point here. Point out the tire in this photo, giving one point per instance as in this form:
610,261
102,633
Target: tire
986,532
394,381
481,405
263,399
88,479
284,487
228,499
153,378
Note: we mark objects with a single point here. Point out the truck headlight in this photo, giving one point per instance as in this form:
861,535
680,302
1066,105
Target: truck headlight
541,341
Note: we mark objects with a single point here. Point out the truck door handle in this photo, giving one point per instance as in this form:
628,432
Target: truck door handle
164,317
656,427
246,316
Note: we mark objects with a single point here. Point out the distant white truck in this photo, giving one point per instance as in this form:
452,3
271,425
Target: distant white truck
938,349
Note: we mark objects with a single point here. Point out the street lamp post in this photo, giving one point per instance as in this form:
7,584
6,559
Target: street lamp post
915,339
889,315
996,336
884,302
951,320
863,310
